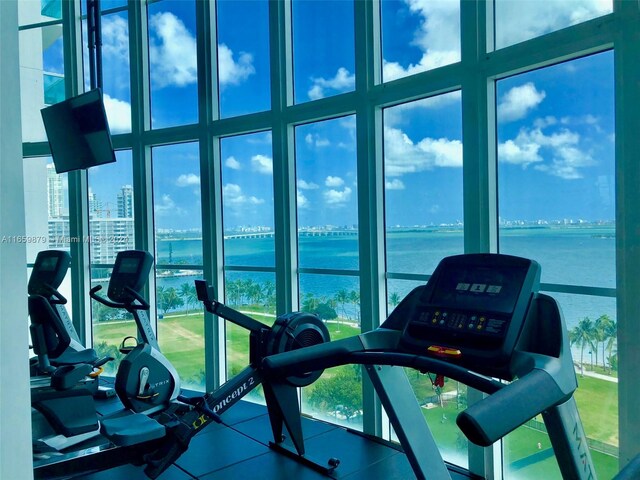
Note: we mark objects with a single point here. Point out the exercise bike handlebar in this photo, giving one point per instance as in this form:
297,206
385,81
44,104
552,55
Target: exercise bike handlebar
142,303
58,299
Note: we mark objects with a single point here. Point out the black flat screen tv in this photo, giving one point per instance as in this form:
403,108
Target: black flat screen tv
78,132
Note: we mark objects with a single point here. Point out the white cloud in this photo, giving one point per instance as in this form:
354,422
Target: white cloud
398,114
342,81
233,197
172,51
304,185
337,197
438,38
262,164
232,163
395,184
518,102
118,114
521,20
333,181
545,122
230,71
168,207
315,140
302,201
188,179
402,155
561,147
115,39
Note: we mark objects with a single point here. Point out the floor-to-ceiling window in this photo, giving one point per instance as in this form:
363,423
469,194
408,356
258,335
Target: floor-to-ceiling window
229,123
556,200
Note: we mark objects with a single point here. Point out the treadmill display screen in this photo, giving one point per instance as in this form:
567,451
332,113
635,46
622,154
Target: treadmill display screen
493,289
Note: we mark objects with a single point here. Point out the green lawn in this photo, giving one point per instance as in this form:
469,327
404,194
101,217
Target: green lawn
597,399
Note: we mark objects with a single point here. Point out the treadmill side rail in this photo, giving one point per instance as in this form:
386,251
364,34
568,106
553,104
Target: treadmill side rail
569,441
397,397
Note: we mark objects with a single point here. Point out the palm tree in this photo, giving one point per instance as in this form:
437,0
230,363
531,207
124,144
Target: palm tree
310,302
342,297
394,299
269,293
168,298
188,294
601,327
354,297
612,338
582,336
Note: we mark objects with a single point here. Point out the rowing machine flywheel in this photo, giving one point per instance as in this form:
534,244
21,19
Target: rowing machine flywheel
298,330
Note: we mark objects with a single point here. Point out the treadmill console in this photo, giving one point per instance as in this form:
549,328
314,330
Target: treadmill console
48,272
473,308
131,271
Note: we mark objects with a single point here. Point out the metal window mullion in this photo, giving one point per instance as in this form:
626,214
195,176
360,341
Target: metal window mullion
478,171
284,178
210,189
141,153
78,187
627,125
370,175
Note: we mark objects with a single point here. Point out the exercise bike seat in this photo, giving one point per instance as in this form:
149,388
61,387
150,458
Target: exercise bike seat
131,429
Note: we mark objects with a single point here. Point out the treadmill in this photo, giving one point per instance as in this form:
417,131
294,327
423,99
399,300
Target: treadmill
480,320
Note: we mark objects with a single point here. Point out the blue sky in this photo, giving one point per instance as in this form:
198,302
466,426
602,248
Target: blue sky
555,125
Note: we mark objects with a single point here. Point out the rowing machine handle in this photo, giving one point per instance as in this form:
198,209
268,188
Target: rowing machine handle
493,417
316,357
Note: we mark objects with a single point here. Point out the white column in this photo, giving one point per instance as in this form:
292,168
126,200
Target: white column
15,411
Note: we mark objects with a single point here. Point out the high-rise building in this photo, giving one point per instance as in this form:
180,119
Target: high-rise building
95,204
125,202
55,192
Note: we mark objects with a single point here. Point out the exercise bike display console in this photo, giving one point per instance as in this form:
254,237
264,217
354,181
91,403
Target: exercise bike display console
129,275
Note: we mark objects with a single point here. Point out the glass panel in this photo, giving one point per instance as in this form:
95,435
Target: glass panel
327,194
591,322
41,77
109,4
110,325
177,206
111,208
181,325
323,48
520,20
247,198
418,36
173,63
556,177
243,58
423,183
557,170
440,405
337,395
46,197
116,71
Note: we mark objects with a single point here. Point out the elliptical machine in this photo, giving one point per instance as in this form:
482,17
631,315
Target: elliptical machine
146,382
55,340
